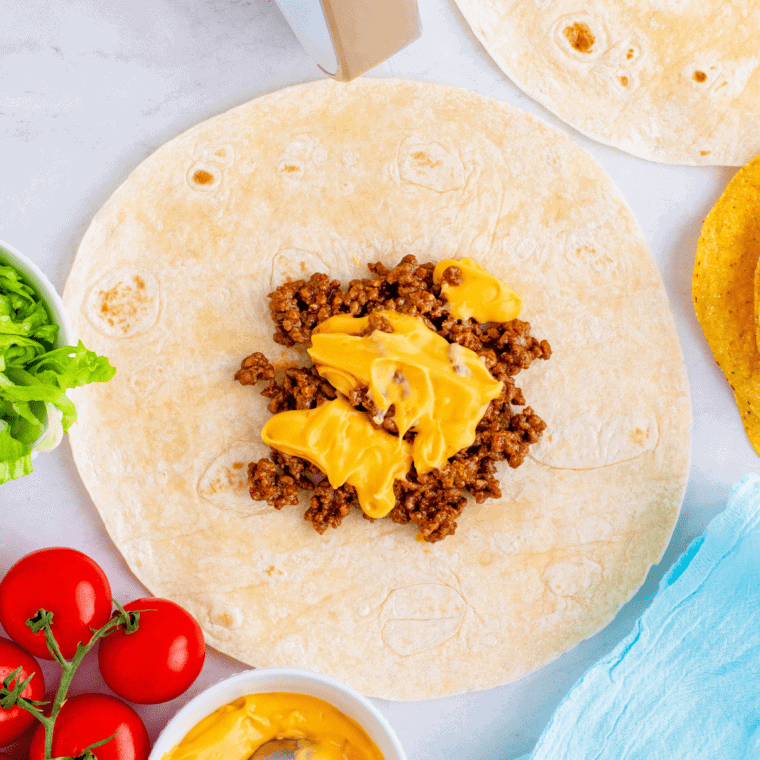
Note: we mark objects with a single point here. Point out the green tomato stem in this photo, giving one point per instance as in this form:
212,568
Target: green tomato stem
68,670
42,621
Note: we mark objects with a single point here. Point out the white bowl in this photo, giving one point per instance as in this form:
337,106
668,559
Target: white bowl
34,276
266,680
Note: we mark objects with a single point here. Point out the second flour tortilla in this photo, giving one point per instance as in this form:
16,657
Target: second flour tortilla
675,81
171,283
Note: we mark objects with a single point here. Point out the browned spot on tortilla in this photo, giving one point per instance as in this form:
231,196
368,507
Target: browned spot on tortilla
700,76
269,570
233,476
629,55
123,302
423,159
580,36
624,81
638,437
704,152
290,168
202,177
123,311
225,619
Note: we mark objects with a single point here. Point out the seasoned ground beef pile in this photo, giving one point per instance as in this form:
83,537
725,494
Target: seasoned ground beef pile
433,501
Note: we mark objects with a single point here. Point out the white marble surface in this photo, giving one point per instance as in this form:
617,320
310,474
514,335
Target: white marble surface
89,88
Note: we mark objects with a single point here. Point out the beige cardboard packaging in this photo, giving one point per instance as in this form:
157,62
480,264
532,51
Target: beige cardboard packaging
346,38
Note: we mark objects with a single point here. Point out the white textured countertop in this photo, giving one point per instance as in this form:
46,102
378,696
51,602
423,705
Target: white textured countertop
88,89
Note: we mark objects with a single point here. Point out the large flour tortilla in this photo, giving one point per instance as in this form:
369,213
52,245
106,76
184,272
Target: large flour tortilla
171,282
675,81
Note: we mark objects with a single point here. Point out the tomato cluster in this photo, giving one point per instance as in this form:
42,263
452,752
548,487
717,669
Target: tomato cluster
15,721
153,658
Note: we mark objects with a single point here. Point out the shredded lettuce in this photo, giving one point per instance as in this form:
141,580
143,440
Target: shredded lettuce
15,456
34,376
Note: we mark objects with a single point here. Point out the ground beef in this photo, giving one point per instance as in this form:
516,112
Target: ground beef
254,368
452,276
328,506
434,500
301,388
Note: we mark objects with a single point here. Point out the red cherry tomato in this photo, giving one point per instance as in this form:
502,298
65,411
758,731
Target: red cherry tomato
66,582
89,718
15,721
157,662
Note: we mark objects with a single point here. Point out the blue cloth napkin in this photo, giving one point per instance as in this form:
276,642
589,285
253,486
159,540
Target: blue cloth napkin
686,683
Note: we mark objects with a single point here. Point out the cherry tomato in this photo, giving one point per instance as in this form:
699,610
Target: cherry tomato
15,721
66,582
89,718
157,662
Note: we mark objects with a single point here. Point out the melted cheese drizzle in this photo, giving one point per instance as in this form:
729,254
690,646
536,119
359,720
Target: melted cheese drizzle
480,295
439,390
237,730
343,444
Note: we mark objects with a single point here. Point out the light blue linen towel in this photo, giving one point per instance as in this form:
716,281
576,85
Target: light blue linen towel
685,685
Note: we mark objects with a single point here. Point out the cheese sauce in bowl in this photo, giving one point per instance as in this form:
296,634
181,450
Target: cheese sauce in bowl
321,718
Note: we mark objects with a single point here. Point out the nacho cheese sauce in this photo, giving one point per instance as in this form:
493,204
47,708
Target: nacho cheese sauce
437,389
420,405
237,730
479,295
370,460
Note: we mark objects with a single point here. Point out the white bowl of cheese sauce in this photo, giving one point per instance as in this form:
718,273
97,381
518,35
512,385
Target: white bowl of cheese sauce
207,717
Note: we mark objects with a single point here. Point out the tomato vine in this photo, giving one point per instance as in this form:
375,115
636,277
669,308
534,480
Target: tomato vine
10,693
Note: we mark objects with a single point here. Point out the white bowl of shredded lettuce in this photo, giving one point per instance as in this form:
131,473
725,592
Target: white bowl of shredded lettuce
38,364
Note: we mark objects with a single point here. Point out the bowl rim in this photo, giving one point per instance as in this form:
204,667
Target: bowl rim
213,697
47,292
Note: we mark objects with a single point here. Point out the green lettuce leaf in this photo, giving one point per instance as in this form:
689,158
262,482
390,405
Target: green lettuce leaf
17,351
15,456
23,386
12,283
34,376
71,367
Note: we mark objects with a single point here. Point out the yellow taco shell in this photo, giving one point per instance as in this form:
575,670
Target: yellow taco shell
724,290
